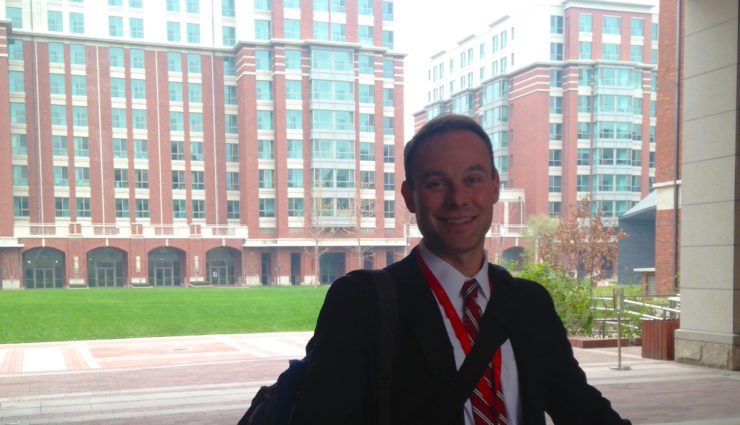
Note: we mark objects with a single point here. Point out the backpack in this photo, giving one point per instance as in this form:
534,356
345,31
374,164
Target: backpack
273,405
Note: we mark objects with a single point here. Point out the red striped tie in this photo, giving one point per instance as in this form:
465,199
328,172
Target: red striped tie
485,412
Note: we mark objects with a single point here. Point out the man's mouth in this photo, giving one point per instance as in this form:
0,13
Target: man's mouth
457,220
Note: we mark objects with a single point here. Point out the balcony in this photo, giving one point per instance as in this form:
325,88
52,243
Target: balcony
66,229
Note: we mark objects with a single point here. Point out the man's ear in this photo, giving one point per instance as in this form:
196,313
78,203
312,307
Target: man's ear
408,196
497,186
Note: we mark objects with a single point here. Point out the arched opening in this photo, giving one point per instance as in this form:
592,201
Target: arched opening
222,266
165,267
331,266
106,268
514,257
43,268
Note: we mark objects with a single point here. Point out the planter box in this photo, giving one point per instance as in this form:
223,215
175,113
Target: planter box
588,342
658,341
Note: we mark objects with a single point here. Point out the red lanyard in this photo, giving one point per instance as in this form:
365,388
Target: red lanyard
459,328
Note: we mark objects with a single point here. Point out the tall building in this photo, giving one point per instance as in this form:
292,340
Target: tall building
567,92
175,142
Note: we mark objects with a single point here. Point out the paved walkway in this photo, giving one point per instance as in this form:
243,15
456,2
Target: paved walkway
211,379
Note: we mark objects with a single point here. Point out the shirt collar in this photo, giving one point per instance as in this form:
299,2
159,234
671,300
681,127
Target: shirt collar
450,278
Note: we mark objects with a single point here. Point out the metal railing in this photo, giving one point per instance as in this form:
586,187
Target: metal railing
619,312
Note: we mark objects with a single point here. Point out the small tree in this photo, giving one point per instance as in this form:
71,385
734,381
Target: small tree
539,228
583,241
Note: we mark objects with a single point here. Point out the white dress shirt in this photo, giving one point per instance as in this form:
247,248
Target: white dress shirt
452,281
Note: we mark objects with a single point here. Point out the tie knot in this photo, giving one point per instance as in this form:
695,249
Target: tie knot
470,289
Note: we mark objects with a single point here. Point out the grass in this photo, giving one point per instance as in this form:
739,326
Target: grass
64,315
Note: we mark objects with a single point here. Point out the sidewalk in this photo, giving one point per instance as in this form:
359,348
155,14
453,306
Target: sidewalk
211,379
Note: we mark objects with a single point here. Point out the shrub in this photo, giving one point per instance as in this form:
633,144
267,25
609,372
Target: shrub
571,297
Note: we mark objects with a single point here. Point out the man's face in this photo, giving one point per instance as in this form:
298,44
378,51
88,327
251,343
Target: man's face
454,192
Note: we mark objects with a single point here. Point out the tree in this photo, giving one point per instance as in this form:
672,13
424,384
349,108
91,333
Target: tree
539,228
584,243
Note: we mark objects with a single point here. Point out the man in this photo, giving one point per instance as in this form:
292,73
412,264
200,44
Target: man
451,186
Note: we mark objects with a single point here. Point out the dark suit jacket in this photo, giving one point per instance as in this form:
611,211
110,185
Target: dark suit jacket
340,385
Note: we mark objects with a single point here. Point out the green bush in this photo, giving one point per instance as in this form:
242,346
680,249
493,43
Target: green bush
572,298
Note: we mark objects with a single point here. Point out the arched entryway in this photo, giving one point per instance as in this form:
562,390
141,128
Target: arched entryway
43,268
332,265
106,268
165,266
222,266
514,257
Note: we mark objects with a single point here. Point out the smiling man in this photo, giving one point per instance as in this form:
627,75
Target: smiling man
446,291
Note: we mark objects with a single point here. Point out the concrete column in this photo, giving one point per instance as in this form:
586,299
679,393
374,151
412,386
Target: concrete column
710,211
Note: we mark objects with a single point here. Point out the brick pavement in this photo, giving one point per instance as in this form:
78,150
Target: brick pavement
211,379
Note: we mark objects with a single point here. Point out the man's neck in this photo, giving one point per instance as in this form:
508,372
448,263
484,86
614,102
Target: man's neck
466,263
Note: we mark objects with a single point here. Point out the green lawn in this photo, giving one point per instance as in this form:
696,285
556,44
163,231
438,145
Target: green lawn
63,315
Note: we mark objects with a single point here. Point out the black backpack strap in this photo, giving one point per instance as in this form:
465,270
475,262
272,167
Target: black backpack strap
388,307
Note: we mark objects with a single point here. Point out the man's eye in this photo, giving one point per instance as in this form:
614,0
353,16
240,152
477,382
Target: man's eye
433,184
474,179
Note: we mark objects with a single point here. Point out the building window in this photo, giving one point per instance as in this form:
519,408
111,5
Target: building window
227,8
59,145
556,24
115,57
266,207
553,184
199,209
556,78
177,150
229,36
295,178
179,208
266,179
367,151
556,105
367,180
55,21
178,179
196,151
82,206
265,149
610,51
611,24
76,23
58,115
77,54
264,120
555,158
584,50
115,26
338,32
584,130
138,89
262,30
137,58
389,181
20,175
389,209
81,147
232,209
56,53
15,15
637,26
193,32
584,23
553,209
17,113
556,131
142,208
263,60
61,206
232,124
119,148
295,207
636,53
556,52
20,206
192,6
295,149
136,27
293,60
120,178
141,179
18,144
232,152
197,180
294,119
292,29
173,5
264,90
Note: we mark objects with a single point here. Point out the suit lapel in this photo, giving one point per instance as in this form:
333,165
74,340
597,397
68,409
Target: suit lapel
425,318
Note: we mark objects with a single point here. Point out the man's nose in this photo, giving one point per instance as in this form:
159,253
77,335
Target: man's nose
457,195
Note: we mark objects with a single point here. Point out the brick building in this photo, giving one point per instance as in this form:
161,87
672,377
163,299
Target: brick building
567,91
163,143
